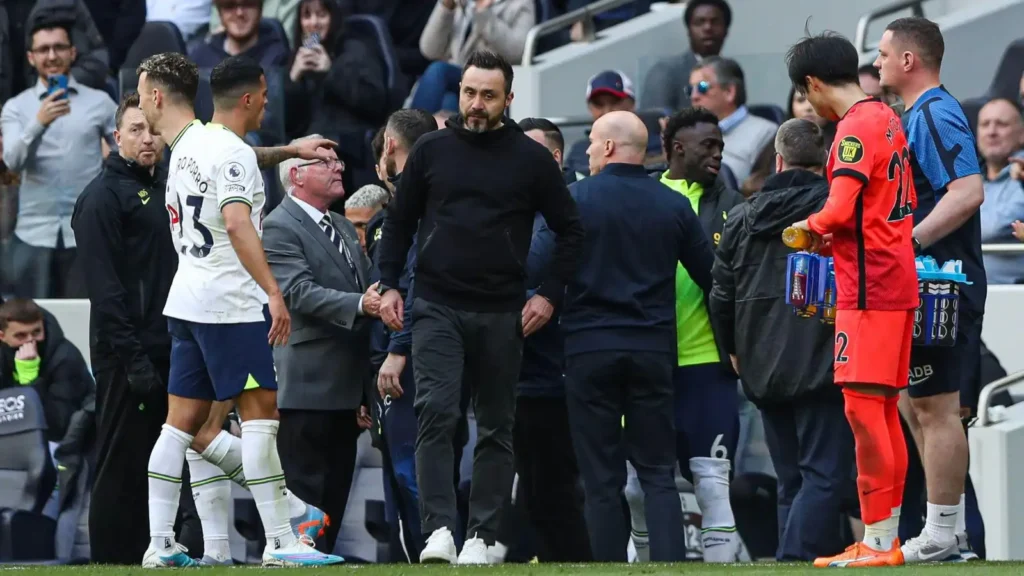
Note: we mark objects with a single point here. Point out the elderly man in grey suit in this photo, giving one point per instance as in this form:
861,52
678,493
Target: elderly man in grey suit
324,369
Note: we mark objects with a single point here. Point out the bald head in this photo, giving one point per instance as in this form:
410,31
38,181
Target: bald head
617,137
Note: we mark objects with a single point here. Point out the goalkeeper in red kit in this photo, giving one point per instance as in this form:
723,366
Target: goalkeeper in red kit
868,224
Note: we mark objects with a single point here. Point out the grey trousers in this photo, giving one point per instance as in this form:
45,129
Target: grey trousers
484,350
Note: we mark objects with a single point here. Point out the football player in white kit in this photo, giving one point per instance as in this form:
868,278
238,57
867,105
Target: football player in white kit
221,326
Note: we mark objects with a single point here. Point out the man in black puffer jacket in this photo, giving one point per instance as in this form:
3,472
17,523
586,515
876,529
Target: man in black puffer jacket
785,362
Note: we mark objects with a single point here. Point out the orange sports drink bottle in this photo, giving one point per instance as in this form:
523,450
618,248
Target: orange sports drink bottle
796,238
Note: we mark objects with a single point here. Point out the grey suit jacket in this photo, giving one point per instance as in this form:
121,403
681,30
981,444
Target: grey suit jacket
326,363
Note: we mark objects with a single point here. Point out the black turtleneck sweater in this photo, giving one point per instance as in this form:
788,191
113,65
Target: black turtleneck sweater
124,242
477,195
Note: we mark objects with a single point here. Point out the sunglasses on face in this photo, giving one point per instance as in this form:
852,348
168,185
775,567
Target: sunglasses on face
701,87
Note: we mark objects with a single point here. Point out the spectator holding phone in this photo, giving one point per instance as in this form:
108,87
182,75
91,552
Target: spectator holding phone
337,85
51,134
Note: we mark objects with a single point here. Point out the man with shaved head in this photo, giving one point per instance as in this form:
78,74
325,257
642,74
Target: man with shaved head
619,326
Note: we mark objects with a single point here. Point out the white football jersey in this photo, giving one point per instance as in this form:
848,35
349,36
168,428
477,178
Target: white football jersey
210,168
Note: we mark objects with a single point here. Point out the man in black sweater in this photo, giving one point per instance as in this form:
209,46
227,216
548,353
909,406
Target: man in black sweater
785,362
121,227
620,347
474,189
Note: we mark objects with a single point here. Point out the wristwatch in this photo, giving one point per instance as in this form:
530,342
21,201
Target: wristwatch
382,288
917,245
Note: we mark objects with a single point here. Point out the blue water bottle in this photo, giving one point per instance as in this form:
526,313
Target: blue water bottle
937,316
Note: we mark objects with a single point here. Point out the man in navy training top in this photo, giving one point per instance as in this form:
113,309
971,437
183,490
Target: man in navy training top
944,382
620,348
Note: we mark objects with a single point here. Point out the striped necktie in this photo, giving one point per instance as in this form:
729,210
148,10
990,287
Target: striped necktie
334,237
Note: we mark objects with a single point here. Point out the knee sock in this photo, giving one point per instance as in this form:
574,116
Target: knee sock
265,480
226,452
899,453
711,487
637,519
164,471
211,491
875,464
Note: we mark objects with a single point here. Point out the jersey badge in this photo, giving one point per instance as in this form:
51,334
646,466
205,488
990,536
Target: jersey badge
235,172
851,150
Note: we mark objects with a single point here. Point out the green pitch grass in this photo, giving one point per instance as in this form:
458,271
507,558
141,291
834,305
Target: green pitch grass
688,569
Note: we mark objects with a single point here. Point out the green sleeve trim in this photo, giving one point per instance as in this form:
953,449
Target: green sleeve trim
26,371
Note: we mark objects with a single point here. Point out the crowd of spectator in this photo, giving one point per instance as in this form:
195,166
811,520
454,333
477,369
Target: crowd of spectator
331,71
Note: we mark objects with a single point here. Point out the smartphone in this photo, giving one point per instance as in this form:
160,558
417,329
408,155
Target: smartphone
312,40
57,82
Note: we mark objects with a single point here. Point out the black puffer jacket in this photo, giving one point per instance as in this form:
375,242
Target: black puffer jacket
781,356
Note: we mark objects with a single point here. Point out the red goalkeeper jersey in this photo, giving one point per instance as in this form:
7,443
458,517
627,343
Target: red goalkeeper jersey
868,212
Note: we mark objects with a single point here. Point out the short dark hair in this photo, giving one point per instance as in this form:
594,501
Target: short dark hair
129,100
45,21
377,144
175,73
924,35
1016,105
829,57
487,60
552,134
410,124
728,72
233,77
869,70
20,310
801,143
685,118
722,5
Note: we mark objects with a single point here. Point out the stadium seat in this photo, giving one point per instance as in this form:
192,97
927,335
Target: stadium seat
769,112
972,106
155,38
27,478
375,31
1006,83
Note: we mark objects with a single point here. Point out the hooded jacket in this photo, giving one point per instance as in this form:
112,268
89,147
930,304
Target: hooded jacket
473,197
63,381
781,356
120,223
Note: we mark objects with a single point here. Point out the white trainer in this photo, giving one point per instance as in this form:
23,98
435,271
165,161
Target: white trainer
440,548
721,545
176,557
923,549
474,551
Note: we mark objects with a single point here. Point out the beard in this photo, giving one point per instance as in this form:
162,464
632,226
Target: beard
479,121
390,168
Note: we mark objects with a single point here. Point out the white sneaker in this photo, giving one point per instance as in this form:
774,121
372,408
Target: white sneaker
440,548
496,554
966,552
299,553
176,557
721,545
474,551
923,549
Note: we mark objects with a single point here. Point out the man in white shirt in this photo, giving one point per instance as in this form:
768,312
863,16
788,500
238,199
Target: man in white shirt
220,346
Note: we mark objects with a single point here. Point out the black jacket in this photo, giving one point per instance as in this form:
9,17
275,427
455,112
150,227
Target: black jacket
64,383
781,356
477,195
637,231
124,241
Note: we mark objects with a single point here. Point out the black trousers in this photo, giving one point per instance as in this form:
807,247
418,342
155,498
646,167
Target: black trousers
485,350
601,388
318,455
549,480
812,451
127,428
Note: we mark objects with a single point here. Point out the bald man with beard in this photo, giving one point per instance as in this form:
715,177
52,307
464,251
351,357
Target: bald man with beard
619,326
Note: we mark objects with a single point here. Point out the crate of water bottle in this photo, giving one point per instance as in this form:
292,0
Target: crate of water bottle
806,279
938,309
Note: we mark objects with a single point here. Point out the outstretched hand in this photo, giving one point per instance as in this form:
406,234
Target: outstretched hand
315,149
